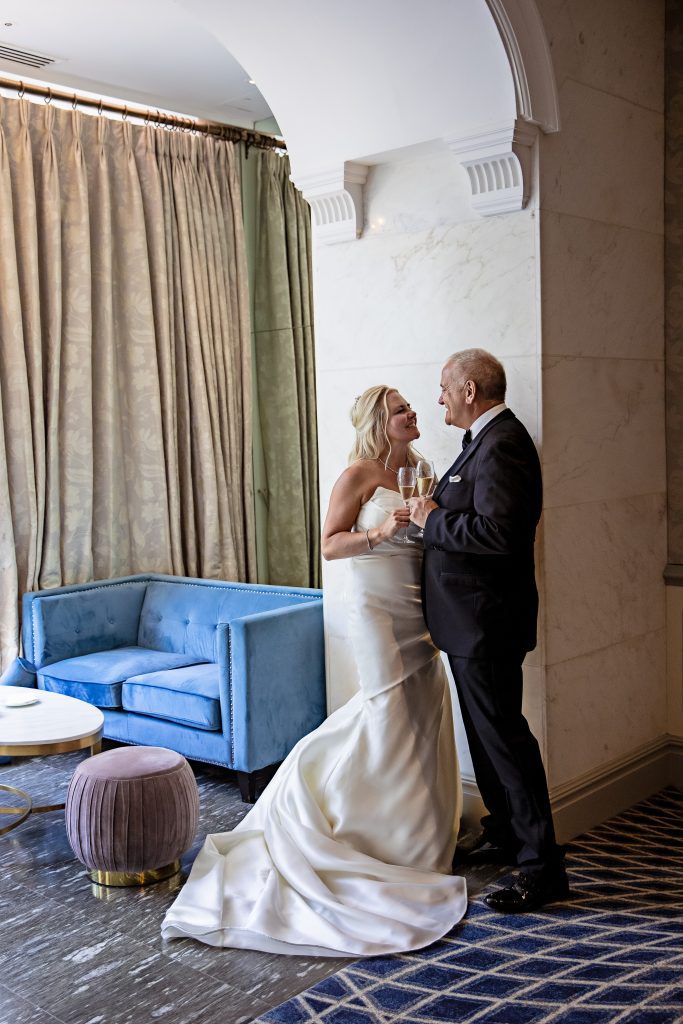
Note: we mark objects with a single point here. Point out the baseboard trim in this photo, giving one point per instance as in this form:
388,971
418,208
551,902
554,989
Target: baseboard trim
591,798
473,809
676,761
587,801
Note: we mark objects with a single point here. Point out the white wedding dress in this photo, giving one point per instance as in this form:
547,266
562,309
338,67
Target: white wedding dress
349,849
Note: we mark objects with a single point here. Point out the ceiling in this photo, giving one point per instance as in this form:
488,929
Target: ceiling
149,52
351,82
358,81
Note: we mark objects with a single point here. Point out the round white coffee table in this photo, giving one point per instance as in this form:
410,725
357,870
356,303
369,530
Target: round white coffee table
50,724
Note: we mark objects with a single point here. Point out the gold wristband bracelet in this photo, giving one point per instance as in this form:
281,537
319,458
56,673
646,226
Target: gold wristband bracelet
367,537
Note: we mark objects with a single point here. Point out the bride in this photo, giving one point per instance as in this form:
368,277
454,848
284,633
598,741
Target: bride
349,849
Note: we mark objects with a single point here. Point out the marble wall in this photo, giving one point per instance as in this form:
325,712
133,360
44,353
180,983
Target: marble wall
569,293
673,280
674,274
428,277
601,273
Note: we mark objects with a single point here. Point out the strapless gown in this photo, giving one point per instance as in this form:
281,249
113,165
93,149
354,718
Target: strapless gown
349,849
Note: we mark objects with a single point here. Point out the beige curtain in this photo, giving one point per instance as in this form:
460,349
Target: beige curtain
125,443
285,373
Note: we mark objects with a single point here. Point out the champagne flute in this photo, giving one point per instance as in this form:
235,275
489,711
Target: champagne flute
426,482
406,478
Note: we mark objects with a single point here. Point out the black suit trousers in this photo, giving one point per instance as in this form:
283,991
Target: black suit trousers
506,759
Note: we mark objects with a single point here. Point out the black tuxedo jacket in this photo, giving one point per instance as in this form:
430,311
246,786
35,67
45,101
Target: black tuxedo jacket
479,589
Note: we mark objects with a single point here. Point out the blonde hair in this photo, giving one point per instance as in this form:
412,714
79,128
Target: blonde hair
369,416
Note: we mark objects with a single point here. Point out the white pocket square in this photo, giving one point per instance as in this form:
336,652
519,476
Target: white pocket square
454,479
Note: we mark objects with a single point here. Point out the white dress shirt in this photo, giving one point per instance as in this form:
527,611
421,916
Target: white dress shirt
486,417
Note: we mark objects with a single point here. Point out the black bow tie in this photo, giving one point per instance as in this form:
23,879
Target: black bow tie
466,438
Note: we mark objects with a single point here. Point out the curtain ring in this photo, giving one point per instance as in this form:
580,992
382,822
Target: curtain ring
74,102
124,115
146,121
100,107
21,90
48,98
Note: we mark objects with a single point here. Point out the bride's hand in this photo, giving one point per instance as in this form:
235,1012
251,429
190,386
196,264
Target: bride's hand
397,520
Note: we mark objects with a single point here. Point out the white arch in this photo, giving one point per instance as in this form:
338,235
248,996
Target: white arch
526,45
351,84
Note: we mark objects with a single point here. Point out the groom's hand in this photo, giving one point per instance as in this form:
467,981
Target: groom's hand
420,509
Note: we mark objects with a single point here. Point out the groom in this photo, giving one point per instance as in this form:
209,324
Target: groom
481,604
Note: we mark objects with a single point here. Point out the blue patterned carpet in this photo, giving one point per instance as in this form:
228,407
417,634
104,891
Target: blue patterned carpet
613,953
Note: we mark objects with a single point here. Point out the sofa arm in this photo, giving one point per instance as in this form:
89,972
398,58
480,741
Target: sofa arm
272,682
19,673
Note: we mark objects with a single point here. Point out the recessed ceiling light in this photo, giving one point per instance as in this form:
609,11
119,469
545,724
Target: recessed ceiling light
251,81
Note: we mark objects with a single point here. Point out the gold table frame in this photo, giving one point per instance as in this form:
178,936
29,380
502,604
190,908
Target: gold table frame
92,740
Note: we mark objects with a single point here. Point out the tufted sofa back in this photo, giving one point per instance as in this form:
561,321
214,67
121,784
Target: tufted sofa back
183,615
71,621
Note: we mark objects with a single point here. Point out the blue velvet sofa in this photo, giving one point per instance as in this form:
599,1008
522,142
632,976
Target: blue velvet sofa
226,673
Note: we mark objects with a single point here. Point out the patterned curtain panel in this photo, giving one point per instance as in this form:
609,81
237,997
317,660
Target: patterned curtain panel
125,441
285,374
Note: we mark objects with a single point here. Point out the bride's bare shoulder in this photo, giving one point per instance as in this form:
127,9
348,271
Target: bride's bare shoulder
360,479
362,469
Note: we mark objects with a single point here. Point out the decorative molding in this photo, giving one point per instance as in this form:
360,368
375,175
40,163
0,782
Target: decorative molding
526,45
336,201
591,798
673,575
473,807
497,160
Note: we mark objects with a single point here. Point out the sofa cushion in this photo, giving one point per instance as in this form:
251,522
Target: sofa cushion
97,678
188,696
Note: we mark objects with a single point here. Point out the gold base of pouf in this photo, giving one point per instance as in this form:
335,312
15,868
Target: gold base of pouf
121,878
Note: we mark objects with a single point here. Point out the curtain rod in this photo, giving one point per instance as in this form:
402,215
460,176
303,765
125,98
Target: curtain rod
158,119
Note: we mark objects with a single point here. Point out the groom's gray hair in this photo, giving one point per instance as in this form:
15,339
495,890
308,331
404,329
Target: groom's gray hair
484,369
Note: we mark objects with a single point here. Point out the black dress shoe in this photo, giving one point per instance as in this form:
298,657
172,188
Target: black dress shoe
529,892
484,851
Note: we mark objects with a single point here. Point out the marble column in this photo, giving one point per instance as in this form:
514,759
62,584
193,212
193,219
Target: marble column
673,279
601,272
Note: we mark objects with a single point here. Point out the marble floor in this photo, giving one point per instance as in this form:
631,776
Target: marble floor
75,953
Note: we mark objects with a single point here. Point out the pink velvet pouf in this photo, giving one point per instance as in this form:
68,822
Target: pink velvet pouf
131,813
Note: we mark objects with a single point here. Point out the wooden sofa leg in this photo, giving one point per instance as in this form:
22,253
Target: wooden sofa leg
252,784
247,783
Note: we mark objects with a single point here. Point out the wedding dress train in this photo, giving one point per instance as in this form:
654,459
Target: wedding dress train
349,849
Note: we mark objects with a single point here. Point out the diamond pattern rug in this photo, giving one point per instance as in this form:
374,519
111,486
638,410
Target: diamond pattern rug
613,953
